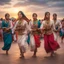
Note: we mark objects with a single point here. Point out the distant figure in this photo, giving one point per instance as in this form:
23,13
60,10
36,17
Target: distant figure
62,31
1,19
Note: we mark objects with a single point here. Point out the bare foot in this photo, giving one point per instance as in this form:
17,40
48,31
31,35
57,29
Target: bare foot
34,56
52,54
22,57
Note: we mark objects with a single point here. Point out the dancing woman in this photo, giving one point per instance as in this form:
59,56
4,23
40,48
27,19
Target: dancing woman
22,27
35,25
50,44
7,33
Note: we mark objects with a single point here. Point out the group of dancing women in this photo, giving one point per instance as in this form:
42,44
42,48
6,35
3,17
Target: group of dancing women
30,33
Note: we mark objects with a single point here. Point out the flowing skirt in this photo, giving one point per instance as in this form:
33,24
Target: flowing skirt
7,37
22,42
50,44
37,40
32,42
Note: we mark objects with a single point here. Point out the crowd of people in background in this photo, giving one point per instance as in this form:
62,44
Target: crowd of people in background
29,32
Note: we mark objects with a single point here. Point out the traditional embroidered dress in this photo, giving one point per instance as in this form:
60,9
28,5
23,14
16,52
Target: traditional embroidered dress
34,25
7,35
49,43
21,27
57,26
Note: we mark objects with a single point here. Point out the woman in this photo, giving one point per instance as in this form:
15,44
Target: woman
57,26
50,44
22,27
7,33
35,33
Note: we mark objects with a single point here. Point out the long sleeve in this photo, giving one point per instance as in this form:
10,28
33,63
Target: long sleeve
29,26
13,29
41,27
11,26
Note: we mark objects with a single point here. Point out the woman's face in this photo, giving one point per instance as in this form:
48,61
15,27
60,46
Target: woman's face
19,15
35,17
54,17
7,17
47,15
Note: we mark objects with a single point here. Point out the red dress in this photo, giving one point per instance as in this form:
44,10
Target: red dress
50,44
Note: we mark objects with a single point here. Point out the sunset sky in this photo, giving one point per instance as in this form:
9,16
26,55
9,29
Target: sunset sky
31,6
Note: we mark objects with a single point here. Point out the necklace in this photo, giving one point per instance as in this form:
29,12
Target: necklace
35,22
48,22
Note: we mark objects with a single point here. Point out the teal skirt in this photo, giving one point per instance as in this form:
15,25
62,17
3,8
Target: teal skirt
7,38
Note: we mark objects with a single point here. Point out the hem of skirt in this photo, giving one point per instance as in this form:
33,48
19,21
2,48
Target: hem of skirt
53,50
5,49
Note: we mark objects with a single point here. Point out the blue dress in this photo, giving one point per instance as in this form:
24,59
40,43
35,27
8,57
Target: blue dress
7,37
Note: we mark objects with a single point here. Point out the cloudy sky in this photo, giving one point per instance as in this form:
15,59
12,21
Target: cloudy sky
31,6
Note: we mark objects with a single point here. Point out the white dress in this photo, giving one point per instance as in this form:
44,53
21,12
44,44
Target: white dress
58,24
22,39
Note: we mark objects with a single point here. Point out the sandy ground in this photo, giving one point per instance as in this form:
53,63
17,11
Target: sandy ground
42,56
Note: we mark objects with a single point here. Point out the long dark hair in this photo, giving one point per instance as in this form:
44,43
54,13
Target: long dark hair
23,16
45,15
